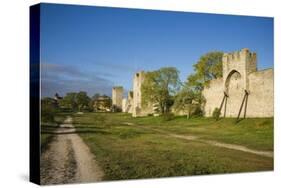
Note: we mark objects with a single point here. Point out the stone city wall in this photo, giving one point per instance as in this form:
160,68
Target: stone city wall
241,80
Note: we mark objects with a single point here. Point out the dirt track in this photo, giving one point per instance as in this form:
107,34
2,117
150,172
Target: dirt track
210,142
68,159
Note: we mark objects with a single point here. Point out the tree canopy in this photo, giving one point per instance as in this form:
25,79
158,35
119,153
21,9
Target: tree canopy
207,68
82,100
75,101
190,99
159,87
48,109
69,101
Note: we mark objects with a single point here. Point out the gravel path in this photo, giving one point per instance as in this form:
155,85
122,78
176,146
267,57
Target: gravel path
68,159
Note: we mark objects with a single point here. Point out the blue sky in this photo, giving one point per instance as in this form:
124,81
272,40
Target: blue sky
94,48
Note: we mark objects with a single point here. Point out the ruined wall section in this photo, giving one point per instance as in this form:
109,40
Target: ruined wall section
138,108
127,103
117,96
130,102
124,104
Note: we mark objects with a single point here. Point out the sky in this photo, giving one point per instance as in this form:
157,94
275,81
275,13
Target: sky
92,49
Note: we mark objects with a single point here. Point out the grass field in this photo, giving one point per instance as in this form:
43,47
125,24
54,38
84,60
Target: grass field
127,148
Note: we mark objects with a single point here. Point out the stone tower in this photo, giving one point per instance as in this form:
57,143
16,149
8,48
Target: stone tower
236,69
238,64
138,109
117,96
138,79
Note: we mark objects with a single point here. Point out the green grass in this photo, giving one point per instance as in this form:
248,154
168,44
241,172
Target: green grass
129,152
255,133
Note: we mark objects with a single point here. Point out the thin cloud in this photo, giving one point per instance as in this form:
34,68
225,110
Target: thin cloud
115,66
61,69
57,78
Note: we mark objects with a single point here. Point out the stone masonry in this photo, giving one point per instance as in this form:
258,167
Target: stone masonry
242,88
117,96
127,103
138,109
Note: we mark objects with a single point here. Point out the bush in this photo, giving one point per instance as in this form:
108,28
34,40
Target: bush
49,108
197,112
47,114
216,113
115,108
168,116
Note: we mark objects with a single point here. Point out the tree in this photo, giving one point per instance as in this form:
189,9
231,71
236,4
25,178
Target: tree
159,87
69,101
183,101
190,98
188,101
207,68
82,100
49,108
75,101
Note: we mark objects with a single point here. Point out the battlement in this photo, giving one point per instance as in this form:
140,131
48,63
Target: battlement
243,54
118,88
242,61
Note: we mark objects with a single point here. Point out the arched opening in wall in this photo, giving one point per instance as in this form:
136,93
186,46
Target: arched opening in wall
235,92
233,78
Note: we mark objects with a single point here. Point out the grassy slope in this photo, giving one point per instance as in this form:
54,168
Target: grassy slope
129,152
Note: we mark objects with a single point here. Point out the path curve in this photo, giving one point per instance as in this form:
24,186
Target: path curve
68,159
210,142
225,145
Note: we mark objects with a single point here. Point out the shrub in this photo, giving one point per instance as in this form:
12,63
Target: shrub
115,108
216,113
48,109
48,113
197,112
